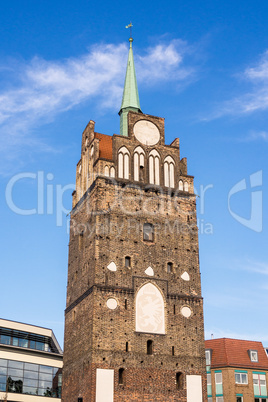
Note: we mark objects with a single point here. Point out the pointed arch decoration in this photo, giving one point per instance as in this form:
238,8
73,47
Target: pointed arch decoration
169,172
123,163
150,310
154,167
139,156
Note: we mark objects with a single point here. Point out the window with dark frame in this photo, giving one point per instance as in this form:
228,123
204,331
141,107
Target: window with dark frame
127,262
148,232
170,267
121,376
179,382
149,347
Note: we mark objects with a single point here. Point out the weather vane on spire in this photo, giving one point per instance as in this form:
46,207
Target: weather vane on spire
130,26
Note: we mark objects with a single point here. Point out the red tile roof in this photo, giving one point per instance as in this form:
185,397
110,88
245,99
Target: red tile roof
105,145
234,352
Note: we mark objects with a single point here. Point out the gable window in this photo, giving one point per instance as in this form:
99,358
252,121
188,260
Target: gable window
148,232
241,377
208,357
154,165
123,163
253,355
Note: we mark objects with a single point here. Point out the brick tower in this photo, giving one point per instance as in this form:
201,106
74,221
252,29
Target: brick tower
134,313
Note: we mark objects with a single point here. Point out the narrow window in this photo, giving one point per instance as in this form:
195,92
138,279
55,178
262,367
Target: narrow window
154,167
125,304
174,309
169,178
80,240
121,376
179,382
106,171
186,187
180,185
173,351
112,172
126,346
170,267
127,262
148,232
138,163
73,315
149,347
123,163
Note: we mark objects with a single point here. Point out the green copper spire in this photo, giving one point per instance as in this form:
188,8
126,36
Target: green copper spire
130,100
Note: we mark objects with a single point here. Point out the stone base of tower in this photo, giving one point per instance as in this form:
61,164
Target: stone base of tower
102,383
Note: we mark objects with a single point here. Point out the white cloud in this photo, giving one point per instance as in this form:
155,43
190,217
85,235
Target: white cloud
254,100
255,136
255,267
46,88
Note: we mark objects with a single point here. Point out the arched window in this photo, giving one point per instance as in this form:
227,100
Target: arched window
186,187
106,171
179,380
123,163
121,375
150,310
169,168
180,185
154,164
170,267
138,163
112,172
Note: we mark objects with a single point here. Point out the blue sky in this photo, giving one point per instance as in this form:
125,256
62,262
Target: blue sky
203,65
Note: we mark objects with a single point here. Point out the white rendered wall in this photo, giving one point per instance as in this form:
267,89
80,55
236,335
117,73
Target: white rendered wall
104,385
194,388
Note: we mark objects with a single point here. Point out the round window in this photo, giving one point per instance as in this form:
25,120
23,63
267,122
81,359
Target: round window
111,303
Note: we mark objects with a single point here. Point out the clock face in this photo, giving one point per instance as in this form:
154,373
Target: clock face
146,132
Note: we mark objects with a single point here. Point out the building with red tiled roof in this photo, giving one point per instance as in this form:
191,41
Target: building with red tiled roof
236,370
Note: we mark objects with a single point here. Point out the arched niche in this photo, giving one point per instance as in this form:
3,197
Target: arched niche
150,310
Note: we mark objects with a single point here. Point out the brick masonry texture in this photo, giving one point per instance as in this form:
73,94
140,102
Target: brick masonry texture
106,226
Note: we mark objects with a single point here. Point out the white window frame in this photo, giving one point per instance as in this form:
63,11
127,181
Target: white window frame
123,163
208,357
154,167
169,172
240,374
139,158
252,354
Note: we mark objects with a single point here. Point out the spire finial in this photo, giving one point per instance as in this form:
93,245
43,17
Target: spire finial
130,100
130,32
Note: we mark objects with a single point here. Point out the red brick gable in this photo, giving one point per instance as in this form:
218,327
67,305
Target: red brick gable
234,353
105,145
